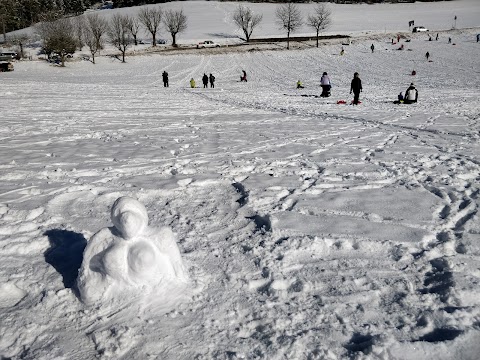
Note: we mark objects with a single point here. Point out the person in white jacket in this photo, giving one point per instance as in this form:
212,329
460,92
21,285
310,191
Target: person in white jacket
325,84
411,95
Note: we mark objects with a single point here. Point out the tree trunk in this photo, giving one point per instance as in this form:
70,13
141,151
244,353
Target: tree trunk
174,39
317,38
135,40
123,56
4,31
154,38
288,40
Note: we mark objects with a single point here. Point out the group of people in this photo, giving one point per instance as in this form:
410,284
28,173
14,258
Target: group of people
205,80
325,83
411,96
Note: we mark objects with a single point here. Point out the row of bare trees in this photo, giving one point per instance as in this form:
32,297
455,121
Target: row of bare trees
64,36
288,16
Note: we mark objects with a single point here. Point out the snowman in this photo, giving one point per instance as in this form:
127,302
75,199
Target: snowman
129,256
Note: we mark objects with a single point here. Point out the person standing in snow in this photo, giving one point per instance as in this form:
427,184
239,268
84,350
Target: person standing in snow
436,37
212,80
427,55
326,85
342,51
356,87
165,79
299,85
205,80
192,83
244,76
372,47
411,95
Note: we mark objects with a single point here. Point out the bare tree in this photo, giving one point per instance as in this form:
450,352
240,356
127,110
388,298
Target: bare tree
95,30
246,20
58,37
92,43
119,33
79,24
20,40
151,19
134,27
97,27
175,22
289,18
320,19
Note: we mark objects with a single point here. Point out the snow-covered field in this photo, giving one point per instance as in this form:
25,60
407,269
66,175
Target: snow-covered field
309,230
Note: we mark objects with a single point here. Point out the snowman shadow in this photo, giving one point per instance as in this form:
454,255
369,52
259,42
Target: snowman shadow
65,253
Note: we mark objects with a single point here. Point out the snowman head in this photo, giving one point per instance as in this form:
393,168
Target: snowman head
129,217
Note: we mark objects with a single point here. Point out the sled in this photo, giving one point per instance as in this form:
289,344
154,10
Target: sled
343,102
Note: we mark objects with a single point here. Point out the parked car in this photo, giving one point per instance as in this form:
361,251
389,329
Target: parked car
420,29
6,66
9,55
161,41
207,44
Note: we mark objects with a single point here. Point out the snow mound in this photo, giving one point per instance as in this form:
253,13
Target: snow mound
129,256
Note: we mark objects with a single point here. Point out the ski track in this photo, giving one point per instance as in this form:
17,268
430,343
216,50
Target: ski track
276,201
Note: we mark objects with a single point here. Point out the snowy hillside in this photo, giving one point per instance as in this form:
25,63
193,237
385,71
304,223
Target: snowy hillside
213,20
308,229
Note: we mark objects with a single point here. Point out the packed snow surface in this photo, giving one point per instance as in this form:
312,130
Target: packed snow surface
307,229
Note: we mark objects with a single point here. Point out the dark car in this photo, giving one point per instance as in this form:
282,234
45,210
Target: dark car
9,55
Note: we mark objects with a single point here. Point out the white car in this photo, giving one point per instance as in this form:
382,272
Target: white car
207,44
419,29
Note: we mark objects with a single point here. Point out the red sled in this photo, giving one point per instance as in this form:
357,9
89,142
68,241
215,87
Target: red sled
341,102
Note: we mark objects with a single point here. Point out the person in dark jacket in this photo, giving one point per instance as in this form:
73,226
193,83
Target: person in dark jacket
411,95
356,87
205,80
244,76
165,79
373,48
212,80
427,55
